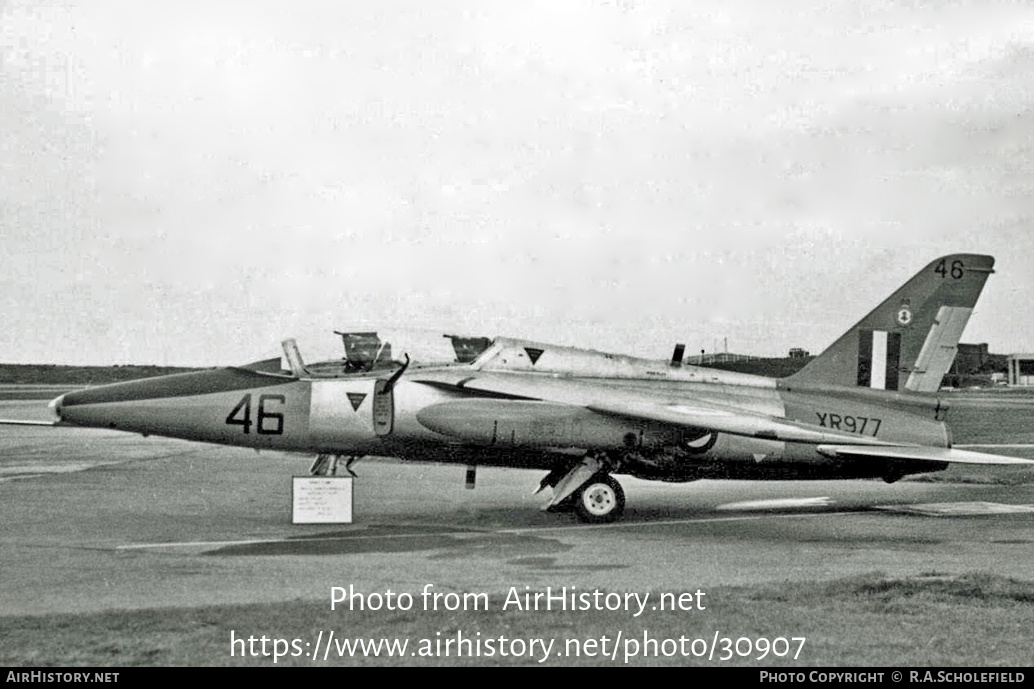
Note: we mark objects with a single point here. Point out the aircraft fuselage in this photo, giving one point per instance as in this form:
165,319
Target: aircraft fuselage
423,418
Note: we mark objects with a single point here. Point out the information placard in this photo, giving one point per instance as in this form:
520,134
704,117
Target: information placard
322,500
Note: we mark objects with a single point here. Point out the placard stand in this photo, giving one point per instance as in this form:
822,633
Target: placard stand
322,500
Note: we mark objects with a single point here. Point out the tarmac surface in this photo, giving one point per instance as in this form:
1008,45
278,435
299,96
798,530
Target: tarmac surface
100,520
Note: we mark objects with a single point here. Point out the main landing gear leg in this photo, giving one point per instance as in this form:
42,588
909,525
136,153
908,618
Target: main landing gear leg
326,465
596,496
321,467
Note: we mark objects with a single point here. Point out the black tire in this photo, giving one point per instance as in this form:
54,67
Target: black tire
600,501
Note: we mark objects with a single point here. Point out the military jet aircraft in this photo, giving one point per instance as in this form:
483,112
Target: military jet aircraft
864,408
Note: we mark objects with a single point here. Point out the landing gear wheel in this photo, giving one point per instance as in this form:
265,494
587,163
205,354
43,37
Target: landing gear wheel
600,500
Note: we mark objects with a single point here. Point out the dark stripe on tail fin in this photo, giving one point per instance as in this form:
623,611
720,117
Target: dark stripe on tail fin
893,360
864,359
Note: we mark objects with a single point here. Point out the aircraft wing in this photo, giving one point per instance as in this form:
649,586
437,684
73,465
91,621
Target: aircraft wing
714,417
607,400
561,393
930,454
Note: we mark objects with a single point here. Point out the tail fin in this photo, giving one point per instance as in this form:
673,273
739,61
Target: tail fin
909,341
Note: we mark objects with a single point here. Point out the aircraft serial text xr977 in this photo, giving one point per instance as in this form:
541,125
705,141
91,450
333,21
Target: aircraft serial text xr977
864,408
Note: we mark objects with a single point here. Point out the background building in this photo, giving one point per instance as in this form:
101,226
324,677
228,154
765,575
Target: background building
971,358
1020,369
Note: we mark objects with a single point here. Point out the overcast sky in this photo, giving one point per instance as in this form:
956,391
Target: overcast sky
192,182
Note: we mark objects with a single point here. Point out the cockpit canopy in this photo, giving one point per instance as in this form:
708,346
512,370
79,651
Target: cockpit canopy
361,352
384,353
368,351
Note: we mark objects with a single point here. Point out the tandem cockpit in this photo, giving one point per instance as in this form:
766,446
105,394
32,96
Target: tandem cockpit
388,352
361,353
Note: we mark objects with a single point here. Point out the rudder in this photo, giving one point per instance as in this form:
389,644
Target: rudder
909,341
